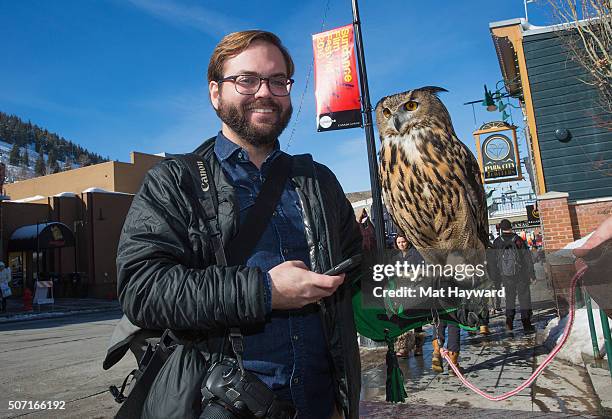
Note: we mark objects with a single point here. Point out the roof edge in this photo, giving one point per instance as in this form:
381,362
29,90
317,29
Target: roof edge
508,22
529,29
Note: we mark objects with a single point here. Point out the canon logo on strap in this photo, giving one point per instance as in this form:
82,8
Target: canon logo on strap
203,176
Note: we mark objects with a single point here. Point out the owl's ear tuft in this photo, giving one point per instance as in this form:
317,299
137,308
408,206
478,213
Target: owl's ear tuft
433,89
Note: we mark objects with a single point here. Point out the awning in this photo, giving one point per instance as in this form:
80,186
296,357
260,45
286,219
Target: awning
41,236
508,63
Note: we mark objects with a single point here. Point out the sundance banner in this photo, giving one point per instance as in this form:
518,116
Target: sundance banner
336,83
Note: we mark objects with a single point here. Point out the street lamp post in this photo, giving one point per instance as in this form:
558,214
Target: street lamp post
377,213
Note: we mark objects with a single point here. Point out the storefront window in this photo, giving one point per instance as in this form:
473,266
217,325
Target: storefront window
18,271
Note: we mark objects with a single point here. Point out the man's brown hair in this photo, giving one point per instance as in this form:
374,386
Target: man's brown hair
234,43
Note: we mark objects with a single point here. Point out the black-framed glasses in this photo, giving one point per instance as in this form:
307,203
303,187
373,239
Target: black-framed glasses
249,84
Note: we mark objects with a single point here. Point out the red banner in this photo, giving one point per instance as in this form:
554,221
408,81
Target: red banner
336,83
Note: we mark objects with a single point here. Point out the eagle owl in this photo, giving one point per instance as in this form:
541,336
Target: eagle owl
430,180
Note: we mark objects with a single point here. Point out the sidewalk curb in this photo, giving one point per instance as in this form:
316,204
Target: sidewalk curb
53,315
601,382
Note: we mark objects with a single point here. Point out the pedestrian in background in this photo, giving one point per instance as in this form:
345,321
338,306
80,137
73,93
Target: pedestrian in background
5,289
367,232
515,270
407,253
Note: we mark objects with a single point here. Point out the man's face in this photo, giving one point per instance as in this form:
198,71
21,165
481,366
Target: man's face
402,243
259,118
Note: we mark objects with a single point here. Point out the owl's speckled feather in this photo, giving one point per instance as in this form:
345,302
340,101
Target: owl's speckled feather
430,180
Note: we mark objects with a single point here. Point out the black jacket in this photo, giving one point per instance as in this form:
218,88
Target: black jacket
526,271
167,276
412,256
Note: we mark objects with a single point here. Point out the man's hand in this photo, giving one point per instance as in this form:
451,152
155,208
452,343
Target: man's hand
294,286
600,235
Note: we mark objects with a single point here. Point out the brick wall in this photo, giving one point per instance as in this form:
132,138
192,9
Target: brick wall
564,223
586,216
556,220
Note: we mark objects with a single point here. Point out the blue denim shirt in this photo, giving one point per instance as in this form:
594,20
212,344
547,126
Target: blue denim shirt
288,352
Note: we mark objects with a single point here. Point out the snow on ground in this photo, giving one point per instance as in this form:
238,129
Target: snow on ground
579,341
578,243
15,173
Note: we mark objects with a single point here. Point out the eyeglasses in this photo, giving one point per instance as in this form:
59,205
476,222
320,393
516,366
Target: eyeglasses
247,84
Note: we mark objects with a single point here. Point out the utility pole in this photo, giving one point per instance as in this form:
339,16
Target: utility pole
366,108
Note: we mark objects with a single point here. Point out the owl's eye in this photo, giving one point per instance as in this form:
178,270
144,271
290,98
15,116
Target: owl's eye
386,112
411,105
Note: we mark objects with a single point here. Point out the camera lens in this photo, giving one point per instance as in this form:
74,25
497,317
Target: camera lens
240,405
228,373
215,411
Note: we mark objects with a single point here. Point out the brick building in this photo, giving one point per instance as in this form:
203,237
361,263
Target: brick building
568,138
568,135
65,227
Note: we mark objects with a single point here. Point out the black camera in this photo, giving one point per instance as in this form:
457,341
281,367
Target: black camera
231,392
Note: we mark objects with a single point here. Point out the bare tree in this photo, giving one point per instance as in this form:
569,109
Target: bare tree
589,40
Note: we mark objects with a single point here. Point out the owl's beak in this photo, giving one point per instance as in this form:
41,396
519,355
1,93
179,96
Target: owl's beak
396,123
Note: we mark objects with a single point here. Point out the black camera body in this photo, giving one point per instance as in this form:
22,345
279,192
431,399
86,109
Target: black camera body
229,392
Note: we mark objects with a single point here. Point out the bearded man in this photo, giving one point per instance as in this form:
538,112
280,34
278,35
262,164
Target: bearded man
298,327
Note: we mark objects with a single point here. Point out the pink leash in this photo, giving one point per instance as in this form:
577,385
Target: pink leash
538,371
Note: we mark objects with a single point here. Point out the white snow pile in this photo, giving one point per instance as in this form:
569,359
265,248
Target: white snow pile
566,256
30,199
102,190
579,341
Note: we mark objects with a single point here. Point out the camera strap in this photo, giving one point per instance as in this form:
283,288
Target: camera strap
250,231
258,217
253,227
239,249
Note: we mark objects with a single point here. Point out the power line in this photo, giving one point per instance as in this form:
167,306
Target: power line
299,111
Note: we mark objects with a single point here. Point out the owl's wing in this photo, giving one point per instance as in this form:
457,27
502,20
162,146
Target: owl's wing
476,195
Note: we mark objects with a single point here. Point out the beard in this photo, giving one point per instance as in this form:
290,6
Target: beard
257,135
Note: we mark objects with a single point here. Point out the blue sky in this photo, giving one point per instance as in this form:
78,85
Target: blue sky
123,75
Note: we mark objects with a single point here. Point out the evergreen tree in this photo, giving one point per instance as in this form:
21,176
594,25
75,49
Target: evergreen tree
26,134
51,158
15,156
40,168
83,160
67,164
25,158
54,168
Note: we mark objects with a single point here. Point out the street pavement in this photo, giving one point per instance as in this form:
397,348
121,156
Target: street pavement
59,359
15,310
497,364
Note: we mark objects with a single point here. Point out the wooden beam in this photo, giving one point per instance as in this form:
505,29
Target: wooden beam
515,34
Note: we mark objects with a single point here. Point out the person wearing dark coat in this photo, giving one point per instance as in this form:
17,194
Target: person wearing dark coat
367,232
298,324
407,253
513,267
